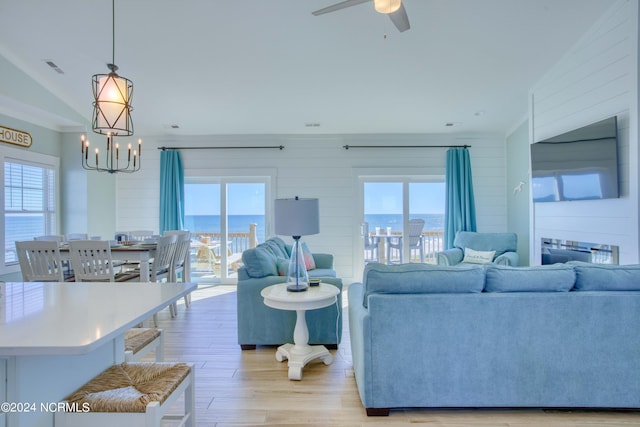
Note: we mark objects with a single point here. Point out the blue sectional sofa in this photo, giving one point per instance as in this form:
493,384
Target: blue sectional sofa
266,265
562,335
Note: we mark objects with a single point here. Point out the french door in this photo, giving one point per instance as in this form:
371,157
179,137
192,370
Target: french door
226,215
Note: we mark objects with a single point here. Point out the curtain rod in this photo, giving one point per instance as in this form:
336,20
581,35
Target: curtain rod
280,147
346,147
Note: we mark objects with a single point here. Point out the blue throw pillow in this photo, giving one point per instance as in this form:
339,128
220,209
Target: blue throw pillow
604,277
543,278
420,279
259,262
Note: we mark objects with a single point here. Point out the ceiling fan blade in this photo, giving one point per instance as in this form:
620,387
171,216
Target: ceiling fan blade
338,6
400,19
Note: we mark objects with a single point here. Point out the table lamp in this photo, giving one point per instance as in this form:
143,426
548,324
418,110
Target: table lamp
297,217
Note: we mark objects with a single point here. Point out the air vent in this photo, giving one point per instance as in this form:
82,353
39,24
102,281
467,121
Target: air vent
54,66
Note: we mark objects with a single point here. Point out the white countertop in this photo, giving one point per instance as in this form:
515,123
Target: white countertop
75,318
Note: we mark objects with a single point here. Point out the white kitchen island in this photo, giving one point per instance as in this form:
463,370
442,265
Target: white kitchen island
54,337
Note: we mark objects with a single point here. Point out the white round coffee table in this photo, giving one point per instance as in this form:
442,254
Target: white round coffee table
300,353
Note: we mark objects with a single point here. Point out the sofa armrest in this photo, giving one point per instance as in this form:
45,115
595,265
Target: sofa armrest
323,261
508,258
451,256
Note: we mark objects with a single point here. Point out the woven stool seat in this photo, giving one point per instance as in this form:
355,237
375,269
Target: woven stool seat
130,387
137,338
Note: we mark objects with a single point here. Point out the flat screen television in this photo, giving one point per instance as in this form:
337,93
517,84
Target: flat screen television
578,165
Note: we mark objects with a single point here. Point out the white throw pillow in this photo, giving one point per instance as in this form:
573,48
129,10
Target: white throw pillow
478,257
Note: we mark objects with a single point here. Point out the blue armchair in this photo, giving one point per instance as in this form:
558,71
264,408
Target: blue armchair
505,246
262,325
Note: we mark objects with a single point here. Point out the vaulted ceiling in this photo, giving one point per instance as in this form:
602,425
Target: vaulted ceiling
270,66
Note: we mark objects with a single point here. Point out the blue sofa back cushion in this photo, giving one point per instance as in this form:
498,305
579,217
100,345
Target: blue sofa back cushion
544,278
601,277
420,279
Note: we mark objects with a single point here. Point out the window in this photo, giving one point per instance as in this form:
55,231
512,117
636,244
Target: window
30,200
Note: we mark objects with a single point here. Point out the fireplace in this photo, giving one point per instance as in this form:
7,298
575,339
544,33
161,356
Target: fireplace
557,250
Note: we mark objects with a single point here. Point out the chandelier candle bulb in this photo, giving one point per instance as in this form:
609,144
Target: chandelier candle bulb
129,154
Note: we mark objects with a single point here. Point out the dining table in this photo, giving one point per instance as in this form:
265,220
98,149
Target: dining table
141,253
54,337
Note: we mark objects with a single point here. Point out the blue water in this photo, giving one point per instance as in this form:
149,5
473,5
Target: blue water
433,222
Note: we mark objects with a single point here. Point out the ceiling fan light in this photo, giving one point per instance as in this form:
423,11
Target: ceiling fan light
387,6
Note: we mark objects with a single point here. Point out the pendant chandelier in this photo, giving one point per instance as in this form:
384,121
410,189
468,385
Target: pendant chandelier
112,117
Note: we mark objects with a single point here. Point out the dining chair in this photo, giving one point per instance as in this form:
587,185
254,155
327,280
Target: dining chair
51,238
77,236
415,240
370,244
91,262
180,260
160,268
40,261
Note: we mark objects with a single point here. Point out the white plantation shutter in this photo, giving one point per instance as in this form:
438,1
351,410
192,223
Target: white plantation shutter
29,203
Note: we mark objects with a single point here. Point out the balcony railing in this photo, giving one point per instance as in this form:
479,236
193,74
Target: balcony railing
206,254
432,242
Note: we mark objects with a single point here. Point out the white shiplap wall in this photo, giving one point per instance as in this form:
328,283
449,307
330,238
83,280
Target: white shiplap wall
318,166
596,79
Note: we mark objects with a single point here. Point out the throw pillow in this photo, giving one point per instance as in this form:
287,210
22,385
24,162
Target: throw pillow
283,266
478,257
259,262
309,262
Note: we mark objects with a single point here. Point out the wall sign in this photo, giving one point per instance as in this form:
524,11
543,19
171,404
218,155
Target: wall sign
15,137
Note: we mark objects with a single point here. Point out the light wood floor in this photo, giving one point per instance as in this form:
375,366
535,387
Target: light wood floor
249,388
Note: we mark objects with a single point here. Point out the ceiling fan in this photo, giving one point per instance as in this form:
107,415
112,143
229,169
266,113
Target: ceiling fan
393,8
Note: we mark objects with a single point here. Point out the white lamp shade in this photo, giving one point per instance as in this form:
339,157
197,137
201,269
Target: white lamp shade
386,6
297,217
112,104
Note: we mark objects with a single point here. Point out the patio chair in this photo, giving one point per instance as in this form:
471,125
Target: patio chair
415,240
370,244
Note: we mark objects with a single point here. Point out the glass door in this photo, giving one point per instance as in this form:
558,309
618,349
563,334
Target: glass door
403,219
225,216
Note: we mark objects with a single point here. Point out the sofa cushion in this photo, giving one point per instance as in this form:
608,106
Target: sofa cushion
605,277
478,257
420,279
544,278
260,262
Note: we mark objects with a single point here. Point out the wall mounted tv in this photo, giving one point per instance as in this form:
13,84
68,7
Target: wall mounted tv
578,165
